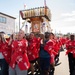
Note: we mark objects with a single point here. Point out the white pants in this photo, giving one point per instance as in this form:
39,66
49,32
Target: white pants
17,71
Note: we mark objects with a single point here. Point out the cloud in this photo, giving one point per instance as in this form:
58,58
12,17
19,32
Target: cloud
65,17
68,14
68,17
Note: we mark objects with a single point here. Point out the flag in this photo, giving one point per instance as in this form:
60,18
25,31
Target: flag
45,3
26,28
30,30
24,6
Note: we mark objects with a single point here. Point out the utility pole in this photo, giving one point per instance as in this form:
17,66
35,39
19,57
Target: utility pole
19,20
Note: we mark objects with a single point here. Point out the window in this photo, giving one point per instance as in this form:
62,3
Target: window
2,19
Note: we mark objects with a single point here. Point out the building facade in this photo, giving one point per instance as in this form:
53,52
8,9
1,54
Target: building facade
7,23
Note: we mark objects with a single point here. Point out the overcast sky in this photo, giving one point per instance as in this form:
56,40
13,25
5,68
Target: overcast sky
63,12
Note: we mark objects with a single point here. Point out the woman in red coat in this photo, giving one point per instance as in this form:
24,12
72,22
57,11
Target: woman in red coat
19,63
4,58
32,50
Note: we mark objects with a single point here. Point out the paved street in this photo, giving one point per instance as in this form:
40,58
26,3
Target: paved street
63,68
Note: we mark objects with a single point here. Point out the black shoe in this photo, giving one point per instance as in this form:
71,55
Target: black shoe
57,64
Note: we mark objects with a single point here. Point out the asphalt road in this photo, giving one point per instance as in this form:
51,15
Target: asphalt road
63,68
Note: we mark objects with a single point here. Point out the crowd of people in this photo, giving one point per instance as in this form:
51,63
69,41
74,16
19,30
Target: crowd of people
21,53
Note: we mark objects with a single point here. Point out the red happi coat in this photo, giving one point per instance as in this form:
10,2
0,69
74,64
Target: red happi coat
38,44
70,46
63,40
49,47
5,51
19,55
32,49
57,45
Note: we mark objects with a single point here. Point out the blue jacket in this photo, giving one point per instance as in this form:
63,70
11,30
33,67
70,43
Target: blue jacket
43,53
